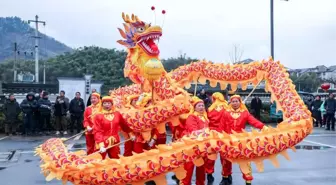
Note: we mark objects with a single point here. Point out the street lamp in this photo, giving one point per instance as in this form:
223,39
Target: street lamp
272,27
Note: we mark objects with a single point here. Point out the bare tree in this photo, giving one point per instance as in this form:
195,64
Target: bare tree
181,54
236,54
331,80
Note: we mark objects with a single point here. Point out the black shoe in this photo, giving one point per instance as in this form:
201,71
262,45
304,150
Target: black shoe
210,178
14,134
333,129
7,134
150,183
248,183
225,181
175,179
327,129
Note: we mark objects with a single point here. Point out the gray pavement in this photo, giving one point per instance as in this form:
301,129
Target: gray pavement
314,163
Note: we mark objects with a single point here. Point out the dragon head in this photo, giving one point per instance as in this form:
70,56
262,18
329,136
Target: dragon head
140,39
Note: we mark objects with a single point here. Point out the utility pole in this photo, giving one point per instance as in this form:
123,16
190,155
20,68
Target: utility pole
36,46
272,26
14,67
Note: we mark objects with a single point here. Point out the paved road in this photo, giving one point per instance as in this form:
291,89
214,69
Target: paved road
314,163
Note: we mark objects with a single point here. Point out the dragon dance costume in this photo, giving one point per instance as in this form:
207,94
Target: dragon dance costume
144,68
88,123
107,124
235,119
196,121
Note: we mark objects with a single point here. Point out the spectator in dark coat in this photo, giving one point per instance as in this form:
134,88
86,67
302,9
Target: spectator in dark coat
206,99
44,109
76,109
11,111
61,109
316,105
29,106
330,106
37,113
256,105
89,100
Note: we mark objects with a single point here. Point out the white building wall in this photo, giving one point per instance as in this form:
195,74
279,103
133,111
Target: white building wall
71,86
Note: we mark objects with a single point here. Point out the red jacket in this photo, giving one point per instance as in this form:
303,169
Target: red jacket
194,123
179,130
236,120
106,131
88,116
156,135
214,119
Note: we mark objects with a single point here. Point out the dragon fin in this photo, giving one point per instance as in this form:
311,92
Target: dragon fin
122,33
127,29
180,173
161,128
123,43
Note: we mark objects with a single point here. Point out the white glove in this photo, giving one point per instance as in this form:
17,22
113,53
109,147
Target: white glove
102,150
151,142
89,128
132,138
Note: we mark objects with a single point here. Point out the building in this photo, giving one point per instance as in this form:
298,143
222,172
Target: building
325,73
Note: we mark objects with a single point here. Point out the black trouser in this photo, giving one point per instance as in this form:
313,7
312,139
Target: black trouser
37,123
257,113
28,123
330,118
318,117
45,120
10,126
76,120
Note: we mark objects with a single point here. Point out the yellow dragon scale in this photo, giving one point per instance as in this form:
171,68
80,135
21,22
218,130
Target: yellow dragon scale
240,148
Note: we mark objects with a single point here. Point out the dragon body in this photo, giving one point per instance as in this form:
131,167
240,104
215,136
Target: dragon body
143,67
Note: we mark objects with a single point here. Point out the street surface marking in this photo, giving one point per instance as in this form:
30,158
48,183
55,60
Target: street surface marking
3,138
323,135
313,142
75,139
27,152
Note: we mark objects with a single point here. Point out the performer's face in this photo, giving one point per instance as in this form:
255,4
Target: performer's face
133,102
94,100
107,105
200,107
235,103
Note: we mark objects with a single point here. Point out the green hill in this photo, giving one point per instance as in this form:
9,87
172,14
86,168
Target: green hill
13,29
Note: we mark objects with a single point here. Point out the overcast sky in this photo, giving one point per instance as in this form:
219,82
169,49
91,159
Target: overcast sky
305,30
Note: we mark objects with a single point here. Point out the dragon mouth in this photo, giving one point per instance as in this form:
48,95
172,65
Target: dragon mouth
147,43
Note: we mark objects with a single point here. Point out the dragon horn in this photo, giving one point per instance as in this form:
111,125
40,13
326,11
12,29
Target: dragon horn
126,18
137,19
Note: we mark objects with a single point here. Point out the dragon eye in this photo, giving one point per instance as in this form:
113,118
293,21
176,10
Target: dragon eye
141,29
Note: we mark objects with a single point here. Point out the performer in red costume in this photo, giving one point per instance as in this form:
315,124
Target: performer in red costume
139,143
177,133
107,124
214,115
129,145
89,113
157,139
235,118
196,121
